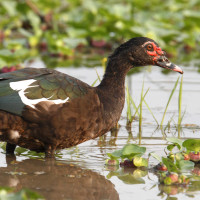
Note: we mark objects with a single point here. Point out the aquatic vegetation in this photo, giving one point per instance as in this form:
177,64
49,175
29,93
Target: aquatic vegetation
170,169
183,160
131,105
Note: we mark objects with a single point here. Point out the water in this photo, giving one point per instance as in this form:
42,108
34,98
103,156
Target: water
80,172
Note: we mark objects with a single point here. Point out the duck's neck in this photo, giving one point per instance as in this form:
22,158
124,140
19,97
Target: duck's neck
111,90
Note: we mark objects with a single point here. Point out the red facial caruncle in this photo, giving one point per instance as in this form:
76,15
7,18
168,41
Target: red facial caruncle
159,58
153,50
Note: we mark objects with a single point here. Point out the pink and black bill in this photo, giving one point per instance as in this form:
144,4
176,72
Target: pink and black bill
159,57
163,62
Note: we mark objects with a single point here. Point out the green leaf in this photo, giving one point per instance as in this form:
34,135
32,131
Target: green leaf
132,150
185,165
179,156
115,154
177,142
156,156
170,147
20,150
169,164
192,144
10,6
140,162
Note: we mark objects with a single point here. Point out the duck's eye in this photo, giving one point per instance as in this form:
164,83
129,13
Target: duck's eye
149,47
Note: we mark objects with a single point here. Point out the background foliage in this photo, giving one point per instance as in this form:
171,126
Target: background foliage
60,28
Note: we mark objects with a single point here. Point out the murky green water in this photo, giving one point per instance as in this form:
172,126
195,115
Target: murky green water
80,173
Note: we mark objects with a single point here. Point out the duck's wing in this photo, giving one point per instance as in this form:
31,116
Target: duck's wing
30,86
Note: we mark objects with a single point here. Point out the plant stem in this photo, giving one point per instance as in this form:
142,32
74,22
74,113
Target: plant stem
179,107
140,116
170,97
129,113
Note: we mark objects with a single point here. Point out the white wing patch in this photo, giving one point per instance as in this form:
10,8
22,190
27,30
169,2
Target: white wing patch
21,86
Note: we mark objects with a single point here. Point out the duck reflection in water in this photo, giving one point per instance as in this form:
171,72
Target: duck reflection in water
56,180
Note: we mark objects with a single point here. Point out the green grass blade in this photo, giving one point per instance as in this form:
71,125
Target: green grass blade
129,113
170,97
98,75
183,116
169,123
151,112
134,105
180,102
140,103
94,82
98,78
140,116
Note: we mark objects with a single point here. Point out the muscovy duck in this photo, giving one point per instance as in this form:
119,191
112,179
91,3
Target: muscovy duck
44,110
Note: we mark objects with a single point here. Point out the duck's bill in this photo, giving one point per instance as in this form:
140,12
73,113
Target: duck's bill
163,62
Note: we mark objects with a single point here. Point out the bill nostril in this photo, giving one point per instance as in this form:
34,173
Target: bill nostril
163,59
166,60
160,59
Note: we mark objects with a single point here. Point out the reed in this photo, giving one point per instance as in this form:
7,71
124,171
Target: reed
140,116
180,116
139,109
180,102
98,78
170,97
128,101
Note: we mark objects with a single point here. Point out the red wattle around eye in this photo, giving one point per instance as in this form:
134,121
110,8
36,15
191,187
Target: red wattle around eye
159,51
152,53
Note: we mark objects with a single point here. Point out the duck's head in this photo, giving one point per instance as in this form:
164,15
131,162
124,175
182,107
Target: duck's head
142,51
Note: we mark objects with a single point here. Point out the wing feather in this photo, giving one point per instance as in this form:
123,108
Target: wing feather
30,86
